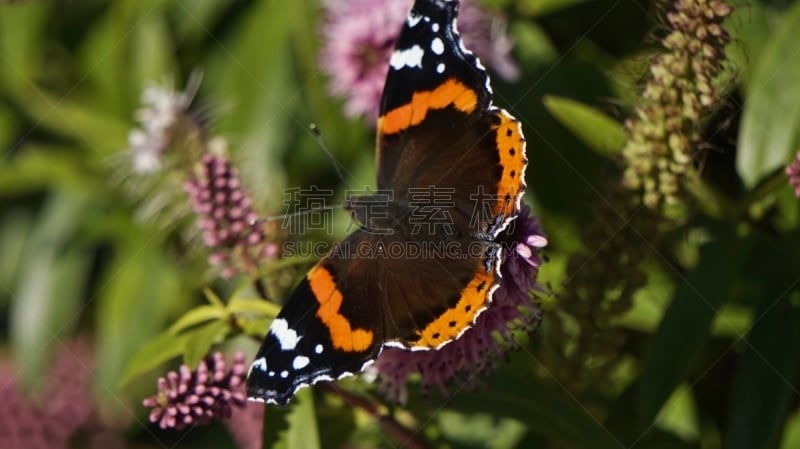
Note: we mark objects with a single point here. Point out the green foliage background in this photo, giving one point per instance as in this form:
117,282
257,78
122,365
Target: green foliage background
710,350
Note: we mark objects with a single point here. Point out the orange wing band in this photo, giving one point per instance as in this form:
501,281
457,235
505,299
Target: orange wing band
457,318
511,146
451,92
344,337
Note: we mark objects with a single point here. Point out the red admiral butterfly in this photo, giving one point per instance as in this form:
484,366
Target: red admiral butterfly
437,129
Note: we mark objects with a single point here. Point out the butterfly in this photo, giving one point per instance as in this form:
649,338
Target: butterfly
423,263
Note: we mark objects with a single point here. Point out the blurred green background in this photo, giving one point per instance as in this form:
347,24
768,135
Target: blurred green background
703,352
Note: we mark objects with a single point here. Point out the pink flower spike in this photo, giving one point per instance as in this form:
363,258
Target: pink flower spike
198,394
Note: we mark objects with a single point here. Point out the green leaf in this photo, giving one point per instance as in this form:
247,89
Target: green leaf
151,355
22,36
480,430
687,321
42,167
143,288
256,327
15,230
294,427
541,7
250,70
764,383
540,407
597,130
337,424
152,52
194,19
253,306
197,316
791,434
650,301
99,132
749,26
732,321
199,341
52,278
533,48
193,345
213,298
679,415
769,130
105,61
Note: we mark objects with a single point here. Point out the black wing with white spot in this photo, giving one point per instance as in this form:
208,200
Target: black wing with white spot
428,52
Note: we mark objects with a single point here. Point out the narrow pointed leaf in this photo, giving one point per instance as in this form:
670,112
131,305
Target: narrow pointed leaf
765,382
600,132
687,321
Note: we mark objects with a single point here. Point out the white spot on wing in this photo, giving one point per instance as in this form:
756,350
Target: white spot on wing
410,57
440,67
318,349
259,364
437,46
413,19
435,27
287,338
300,362
284,374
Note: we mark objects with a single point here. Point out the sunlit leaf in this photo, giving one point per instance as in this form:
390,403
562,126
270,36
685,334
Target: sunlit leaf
141,289
769,130
600,132
213,298
21,43
199,341
253,306
151,355
480,430
542,7
294,427
679,415
197,316
791,433
749,26
52,276
256,327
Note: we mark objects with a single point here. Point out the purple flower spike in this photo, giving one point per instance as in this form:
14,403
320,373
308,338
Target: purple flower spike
188,398
512,308
61,412
226,217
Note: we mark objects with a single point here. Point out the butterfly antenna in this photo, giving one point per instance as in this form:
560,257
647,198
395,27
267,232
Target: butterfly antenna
340,170
264,220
